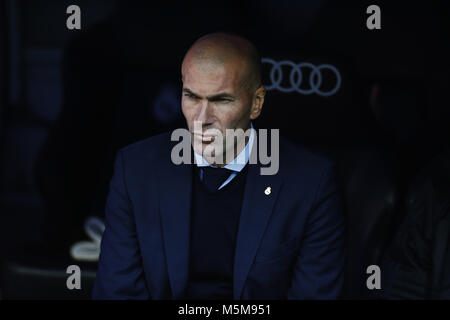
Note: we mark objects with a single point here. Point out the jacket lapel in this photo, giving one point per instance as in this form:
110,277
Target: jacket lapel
175,204
257,207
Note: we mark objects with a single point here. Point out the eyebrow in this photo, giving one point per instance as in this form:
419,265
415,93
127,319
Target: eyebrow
215,97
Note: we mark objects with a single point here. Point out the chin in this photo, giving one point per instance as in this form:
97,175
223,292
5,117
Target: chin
211,152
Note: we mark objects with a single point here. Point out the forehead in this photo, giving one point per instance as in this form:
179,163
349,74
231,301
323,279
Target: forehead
211,77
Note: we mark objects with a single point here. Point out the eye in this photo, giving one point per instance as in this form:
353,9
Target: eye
189,95
224,100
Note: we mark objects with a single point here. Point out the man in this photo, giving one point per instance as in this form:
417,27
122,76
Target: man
220,229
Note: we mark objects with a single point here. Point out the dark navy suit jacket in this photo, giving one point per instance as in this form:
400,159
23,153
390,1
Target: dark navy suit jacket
290,243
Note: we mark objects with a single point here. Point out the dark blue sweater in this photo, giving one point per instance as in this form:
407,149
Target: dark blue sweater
214,226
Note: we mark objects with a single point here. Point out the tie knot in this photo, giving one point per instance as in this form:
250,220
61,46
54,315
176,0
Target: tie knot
213,177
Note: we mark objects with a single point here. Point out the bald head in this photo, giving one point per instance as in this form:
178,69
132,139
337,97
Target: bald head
221,90
230,51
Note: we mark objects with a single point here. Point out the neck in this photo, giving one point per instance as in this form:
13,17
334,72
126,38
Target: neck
235,150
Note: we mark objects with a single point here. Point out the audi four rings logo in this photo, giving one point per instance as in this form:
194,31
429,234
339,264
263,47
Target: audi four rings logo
315,77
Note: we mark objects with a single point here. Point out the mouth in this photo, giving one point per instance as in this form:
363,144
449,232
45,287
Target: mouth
204,138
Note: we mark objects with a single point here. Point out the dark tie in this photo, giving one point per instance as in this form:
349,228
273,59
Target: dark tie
214,177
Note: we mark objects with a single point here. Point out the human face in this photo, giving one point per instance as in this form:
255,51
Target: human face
213,100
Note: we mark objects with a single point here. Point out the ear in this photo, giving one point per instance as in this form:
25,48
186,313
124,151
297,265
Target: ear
257,103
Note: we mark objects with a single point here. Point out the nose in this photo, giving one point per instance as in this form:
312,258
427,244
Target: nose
204,114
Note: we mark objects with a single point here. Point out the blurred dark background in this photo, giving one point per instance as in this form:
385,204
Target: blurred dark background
69,99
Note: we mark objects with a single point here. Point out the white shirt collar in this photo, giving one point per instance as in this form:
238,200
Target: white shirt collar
239,162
